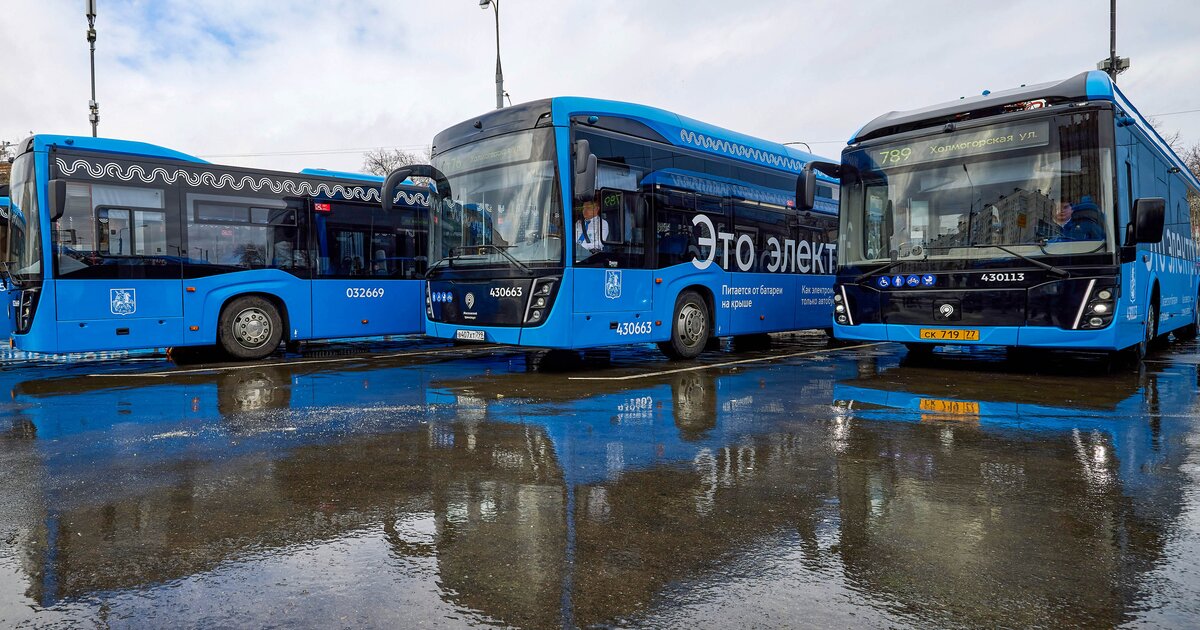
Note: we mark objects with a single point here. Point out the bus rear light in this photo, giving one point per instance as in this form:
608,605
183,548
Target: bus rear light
322,207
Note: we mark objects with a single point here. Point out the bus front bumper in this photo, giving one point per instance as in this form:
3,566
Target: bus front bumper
1028,336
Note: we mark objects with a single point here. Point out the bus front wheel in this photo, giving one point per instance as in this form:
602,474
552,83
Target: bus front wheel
690,327
250,328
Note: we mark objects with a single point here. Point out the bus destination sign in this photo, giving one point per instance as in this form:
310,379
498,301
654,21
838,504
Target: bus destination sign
960,145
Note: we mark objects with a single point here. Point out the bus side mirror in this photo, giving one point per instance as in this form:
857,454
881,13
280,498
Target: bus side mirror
1149,215
57,196
806,188
387,192
585,171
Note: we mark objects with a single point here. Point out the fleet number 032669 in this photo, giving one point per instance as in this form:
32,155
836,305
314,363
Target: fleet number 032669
360,292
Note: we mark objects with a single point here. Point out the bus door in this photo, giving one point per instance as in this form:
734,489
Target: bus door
369,270
613,282
119,276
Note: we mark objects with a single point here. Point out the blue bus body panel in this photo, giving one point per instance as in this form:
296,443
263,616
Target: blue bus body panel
686,132
355,308
43,142
117,314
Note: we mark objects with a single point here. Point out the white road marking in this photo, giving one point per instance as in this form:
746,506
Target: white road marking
696,368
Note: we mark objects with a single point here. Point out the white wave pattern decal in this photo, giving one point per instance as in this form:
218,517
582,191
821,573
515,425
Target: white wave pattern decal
739,150
289,187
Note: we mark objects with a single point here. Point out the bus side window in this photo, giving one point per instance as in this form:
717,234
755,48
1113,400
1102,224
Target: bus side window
623,212
232,233
109,232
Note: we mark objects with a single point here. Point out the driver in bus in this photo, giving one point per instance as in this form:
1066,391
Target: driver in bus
1080,221
591,231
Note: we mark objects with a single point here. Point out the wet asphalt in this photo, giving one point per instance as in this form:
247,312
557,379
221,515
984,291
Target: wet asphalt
785,484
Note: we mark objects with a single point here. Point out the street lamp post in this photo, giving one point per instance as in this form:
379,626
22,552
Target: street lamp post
495,4
94,116
1114,65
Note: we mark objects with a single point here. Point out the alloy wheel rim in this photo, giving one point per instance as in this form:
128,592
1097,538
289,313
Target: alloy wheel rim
690,324
251,328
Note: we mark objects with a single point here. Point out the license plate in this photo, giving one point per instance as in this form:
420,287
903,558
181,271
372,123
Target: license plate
953,407
470,335
949,334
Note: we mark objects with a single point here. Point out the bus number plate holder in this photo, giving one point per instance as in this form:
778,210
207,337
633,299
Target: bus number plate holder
949,334
950,407
470,335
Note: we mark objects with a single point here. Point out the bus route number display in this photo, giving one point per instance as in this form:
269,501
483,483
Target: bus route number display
967,144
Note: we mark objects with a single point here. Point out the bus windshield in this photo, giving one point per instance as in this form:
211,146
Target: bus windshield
503,205
23,250
1039,187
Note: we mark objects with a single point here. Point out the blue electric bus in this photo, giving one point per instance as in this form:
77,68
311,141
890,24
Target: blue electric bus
6,292
120,245
1046,216
576,222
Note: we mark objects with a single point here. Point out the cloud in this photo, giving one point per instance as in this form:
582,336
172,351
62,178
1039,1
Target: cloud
224,77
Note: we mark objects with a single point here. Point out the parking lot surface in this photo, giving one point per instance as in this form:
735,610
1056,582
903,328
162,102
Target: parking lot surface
794,483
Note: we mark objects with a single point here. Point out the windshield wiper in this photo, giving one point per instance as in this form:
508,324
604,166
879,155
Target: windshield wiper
1058,271
436,264
501,249
875,272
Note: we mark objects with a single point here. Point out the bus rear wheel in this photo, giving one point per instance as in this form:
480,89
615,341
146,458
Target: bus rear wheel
250,328
690,327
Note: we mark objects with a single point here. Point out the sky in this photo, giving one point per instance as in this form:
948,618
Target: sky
314,83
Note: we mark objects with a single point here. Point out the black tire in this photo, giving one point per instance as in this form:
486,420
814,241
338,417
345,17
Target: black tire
249,329
1133,355
1153,340
691,326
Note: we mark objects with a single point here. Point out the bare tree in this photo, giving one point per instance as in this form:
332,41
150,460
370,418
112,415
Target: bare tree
383,161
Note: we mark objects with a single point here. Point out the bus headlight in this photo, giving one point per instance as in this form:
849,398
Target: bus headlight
841,319
837,297
1100,308
541,298
1104,295
1096,322
841,308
